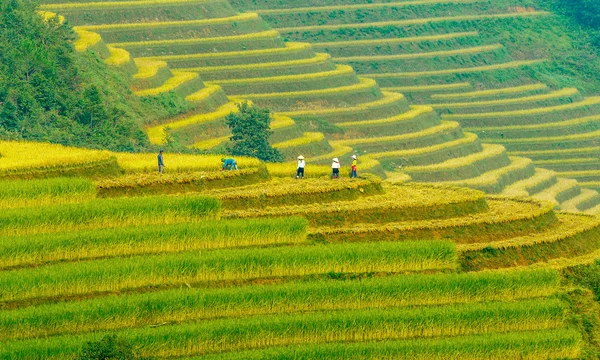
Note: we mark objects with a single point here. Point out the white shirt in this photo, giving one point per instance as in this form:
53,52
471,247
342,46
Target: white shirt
301,163
335,165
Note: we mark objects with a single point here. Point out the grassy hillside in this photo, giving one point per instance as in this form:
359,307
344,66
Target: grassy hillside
50,92
581,14
243,264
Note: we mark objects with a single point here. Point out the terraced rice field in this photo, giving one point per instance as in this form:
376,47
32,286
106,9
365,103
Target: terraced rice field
268,267
213,56
464,65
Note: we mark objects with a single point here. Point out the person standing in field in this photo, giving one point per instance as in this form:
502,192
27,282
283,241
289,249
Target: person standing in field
335,169
300,168
229,164
161,162
354,163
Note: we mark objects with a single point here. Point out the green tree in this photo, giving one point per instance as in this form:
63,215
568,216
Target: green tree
50,92
92,107
251,129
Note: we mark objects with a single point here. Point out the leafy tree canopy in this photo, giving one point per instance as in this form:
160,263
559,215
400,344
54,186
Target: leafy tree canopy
49,92
251,129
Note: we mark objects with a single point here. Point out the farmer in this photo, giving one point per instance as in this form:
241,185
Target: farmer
229,164
335,169
161,162
354,163
300,169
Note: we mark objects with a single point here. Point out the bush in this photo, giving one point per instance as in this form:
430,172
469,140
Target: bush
108,348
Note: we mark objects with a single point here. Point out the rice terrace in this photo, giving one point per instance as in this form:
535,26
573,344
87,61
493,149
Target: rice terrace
317,179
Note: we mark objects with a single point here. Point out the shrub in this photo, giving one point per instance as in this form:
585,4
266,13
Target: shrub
108,348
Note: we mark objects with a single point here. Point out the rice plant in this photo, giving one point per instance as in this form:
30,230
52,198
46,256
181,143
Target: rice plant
536,111
347,7
99,213
490,92
219,39
289,47
22,193
181,305
118,57
488,152
225,20
385,41
547,344
413,21
116,4
309,137
203,93
224,265
468,138
471,50
179,78
227,335
532,98
505,218
363,84
146,162
69,246
148,68
413,113
443,126
401,203
178,183
86,39
31,159
262,65
388,98
156,134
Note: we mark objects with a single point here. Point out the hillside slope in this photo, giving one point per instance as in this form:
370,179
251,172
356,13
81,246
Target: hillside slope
323,110
50,92
506,70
